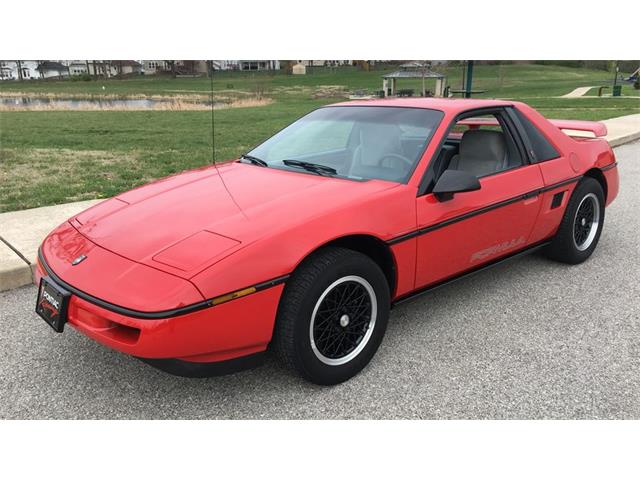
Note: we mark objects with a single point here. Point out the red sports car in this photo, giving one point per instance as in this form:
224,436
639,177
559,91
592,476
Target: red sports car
305,243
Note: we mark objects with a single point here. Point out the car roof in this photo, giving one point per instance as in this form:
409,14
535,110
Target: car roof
452,105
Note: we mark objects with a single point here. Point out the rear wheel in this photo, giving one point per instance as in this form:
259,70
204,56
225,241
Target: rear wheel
332,316
581,226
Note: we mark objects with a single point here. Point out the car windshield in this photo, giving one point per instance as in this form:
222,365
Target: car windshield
357,142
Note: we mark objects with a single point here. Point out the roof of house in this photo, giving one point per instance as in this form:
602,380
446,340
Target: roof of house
127,63
48,65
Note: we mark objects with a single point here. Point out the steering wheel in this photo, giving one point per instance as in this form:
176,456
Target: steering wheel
357,160
396,156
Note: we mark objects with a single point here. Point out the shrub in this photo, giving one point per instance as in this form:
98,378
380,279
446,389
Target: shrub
561,63
85,77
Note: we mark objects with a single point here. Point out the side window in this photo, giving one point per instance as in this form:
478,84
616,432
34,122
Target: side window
542,149
484,146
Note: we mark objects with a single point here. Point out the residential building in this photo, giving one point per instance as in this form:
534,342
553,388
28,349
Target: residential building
325,63
31,69
19,69
151,67
226,64
179,67
126,67
259,64
50,69
77,67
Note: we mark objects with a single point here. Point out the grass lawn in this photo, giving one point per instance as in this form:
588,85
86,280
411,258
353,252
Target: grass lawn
60,156
55,157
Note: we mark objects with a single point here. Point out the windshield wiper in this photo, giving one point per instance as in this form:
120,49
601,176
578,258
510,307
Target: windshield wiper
312,167
255,160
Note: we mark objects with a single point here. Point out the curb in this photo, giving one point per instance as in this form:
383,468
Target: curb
18,250
616,142
15,272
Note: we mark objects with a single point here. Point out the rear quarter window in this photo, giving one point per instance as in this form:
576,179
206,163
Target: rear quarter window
542,149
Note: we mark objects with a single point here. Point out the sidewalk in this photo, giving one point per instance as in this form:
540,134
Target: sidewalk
623,129
578,92
22,232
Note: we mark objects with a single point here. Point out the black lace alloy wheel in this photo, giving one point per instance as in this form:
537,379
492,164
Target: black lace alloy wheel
585,224
332,315
343,320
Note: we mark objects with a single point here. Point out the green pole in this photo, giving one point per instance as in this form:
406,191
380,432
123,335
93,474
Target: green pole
467,93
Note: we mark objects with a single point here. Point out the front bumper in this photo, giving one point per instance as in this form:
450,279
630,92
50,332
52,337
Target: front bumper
221,333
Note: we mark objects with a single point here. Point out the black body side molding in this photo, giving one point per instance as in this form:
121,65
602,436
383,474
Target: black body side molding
468,273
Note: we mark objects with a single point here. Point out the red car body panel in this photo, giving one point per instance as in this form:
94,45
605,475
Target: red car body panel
196,237
448,251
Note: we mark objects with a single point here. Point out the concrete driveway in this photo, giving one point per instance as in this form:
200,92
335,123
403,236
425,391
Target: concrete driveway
529,339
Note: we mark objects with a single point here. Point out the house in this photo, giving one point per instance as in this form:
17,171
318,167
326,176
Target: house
192,67
126,67
6,72
32,69
325,63
226,64
201,67
77,67
49,69
259,64
151,67
103,68
18,70
179,67
100,68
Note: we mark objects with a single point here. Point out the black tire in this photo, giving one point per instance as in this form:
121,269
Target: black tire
343,269
564,246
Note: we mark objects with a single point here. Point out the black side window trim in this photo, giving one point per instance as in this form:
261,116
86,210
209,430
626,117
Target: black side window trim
528,147
516,116
502,113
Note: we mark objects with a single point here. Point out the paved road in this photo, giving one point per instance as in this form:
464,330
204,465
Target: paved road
530,339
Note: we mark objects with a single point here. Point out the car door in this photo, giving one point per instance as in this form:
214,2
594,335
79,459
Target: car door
474,228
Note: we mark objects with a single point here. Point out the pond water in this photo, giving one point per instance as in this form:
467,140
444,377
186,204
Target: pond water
92,103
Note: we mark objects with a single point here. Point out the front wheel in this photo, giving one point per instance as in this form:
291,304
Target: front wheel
332,316
581,225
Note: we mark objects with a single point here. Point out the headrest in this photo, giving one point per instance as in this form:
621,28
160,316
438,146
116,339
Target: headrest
483,145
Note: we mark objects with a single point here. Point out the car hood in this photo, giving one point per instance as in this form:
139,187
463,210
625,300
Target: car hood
184,223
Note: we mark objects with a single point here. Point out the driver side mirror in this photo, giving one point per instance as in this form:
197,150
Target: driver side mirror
454,181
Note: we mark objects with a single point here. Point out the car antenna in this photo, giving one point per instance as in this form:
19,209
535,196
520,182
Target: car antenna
213,141
213,123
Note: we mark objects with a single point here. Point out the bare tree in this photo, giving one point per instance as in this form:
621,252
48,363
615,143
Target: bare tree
172,67
40,67
19,65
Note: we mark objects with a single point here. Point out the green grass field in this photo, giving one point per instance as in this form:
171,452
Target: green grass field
60,156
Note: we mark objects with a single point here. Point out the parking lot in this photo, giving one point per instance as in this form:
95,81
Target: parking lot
528,339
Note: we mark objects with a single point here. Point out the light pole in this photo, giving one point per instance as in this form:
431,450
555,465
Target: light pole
467,89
